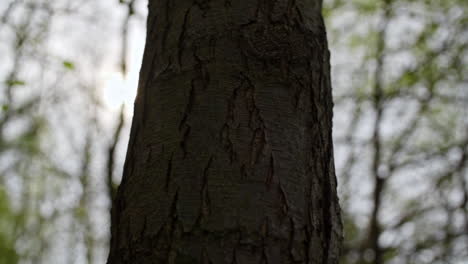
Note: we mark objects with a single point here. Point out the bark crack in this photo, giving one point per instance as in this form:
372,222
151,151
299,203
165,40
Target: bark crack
168,173
181,41
205,209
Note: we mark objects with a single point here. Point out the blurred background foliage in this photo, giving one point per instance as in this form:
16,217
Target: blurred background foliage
401,126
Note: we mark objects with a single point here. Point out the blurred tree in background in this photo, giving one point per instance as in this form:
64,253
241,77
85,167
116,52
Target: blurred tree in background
55,155
401,126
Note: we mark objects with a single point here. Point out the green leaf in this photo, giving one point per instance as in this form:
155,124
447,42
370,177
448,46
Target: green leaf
69,65
5,107
367,6
409,79
15,82
8,254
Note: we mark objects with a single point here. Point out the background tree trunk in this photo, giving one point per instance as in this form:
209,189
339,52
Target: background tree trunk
230,157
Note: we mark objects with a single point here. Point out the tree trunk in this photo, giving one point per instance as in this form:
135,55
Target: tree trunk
230,157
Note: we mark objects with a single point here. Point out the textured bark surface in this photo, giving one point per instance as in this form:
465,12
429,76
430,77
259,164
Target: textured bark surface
230,157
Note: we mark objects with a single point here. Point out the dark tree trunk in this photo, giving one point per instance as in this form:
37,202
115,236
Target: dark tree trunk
230,157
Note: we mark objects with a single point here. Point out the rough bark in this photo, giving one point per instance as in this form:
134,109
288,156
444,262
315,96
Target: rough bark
230,157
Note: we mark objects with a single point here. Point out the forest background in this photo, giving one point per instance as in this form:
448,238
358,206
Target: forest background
68,76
